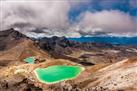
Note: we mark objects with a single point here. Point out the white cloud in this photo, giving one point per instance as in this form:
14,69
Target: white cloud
35,13
109,21
53,14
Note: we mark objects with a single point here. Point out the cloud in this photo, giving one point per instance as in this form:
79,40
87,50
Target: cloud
38,13
107,21
52,17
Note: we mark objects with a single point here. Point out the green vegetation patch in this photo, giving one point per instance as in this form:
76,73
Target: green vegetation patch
54,74
30,60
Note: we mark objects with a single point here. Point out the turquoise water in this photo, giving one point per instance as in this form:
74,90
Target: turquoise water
30,60
54,74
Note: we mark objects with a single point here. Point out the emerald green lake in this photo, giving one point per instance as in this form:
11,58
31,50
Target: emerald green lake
30,60
54,74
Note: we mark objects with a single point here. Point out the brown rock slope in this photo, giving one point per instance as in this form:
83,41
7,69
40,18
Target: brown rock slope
16,75
86,53
120,76
17,47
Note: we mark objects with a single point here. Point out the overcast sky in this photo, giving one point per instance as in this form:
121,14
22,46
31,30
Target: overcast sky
70,17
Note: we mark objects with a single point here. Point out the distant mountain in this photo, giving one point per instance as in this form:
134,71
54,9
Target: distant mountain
62,47
115,40
107,66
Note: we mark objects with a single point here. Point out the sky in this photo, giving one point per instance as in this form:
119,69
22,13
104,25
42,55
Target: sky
72,18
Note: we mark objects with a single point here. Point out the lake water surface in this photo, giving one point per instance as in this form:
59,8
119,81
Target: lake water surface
54,74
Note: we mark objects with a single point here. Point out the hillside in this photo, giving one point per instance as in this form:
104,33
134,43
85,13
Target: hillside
107,67
17,47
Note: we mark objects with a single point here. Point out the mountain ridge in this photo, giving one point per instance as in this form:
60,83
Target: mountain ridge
107,67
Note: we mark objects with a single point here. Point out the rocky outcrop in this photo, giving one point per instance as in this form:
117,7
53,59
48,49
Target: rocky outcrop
15,46
87,53
54,43
62,48
120,76
105,69
9,38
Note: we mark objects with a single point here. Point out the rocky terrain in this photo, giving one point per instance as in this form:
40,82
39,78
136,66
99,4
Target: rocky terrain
107,67
86,53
